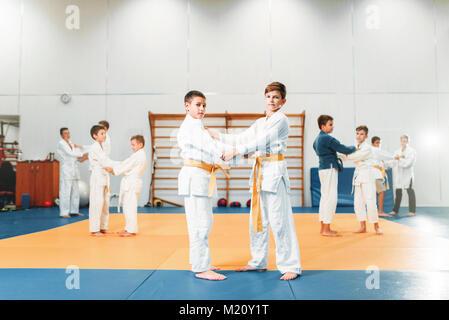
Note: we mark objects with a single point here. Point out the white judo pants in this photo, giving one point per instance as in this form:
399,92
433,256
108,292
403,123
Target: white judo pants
199,222
98,208
365,202
329,194
69,197
130,210
277,213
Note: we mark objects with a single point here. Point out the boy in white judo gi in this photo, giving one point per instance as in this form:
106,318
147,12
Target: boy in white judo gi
106,144
382,183
99,184
326,148
364,181
269,183
197,182
403,175
131,184
69,154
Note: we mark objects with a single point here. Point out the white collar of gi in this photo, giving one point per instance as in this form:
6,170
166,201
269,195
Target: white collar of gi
193,121
273,116
364,144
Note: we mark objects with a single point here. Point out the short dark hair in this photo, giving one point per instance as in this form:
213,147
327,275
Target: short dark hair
139,138
362,128
323,119
374,139
192,94
62,130
277,86
104,123
95,129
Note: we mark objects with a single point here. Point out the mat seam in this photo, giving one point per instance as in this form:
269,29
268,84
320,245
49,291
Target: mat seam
127,298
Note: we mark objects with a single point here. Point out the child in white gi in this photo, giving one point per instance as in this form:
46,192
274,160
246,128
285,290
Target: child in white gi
382,184
106,144
270,186
403,175
364,182
131,184
99,184
68,155
197,182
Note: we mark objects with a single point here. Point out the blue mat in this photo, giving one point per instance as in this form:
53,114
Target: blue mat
345,196
45,284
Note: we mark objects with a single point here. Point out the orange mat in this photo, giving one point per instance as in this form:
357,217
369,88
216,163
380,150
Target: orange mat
162,243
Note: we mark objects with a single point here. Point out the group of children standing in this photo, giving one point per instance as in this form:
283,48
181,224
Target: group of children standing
369,178
101,166
205,151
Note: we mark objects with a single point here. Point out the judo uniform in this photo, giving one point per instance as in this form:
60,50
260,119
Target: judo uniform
193,184
364,182
130,186
69,196
269,137
403,177
107,145
326,148
378,158
99,188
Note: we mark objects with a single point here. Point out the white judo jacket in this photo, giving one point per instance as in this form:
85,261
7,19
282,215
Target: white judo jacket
403,169
196,144
132,169
379,156
265,136
67,156
364,164
98,161
107,145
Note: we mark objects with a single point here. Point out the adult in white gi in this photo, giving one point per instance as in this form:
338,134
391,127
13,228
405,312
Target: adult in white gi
131,184
267,139
403,175
99,184
201,154
69,154
364,182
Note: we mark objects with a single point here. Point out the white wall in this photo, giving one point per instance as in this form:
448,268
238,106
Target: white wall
381,63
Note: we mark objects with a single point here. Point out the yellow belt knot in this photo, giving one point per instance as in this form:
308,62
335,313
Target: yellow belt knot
384,175
211,168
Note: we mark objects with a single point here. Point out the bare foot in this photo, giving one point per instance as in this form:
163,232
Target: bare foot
392,213
64,216
121,231
106,231
361,230
210,275
77,214
249,268
289,276
126,234
331,234
97,234
379,231
383,214
411,214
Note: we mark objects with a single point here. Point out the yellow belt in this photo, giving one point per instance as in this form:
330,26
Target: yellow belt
211,168
384,174
257,181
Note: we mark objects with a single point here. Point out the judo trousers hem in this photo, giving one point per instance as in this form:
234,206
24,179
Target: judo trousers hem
276,213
